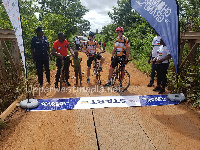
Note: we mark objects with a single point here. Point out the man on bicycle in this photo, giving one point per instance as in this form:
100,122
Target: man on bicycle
89,48
121,49
60,50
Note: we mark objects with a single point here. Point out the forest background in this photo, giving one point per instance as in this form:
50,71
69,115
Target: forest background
67,16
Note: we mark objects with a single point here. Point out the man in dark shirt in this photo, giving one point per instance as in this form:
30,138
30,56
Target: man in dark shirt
40,52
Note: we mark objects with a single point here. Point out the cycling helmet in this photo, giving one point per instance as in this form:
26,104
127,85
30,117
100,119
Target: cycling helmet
91,34
119,29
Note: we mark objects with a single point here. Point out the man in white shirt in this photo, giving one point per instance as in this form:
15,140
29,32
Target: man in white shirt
162,64
153,54
77,42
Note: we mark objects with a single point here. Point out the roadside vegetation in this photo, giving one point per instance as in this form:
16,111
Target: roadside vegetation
67,17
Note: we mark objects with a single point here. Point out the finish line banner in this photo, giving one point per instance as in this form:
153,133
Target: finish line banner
103,102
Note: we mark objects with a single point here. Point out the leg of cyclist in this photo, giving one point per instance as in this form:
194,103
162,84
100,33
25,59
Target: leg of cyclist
112,67
89,62
99,57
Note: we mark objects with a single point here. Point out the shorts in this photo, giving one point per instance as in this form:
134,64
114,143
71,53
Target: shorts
115,61
90,59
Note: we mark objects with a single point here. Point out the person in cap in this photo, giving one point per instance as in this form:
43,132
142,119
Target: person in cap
153,54
162,64
40,52
60,50
89,48
121,49
77,42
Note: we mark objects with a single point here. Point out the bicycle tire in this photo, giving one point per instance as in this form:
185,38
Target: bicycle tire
98,74
116,81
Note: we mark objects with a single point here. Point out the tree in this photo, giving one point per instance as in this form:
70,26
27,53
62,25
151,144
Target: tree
70,9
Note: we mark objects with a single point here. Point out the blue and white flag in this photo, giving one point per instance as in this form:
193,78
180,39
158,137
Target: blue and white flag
12,10
162,16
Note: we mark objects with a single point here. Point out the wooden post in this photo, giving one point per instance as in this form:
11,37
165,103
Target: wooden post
9,56
2,63
16,56
191,51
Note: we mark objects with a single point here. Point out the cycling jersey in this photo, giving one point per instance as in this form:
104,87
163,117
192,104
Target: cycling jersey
91,47
121,45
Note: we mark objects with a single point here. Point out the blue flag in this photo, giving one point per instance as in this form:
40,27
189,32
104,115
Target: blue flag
162,16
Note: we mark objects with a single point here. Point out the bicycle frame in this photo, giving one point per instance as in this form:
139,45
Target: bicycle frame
96,70
118,76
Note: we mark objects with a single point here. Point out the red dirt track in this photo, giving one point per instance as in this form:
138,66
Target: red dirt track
171,127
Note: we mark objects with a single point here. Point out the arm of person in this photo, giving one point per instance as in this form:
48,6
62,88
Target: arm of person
72,53
163,59
127,52
113,52
149,60
32,53
55,53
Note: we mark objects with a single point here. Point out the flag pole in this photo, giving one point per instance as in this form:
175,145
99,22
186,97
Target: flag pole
178,70
28,103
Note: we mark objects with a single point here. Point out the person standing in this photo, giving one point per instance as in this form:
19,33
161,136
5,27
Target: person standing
162,64
153,54
89,48
121,49
40,52
104,45
76,63
60,50
77,42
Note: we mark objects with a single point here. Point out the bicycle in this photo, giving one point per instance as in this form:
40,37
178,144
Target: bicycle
62,78
96,69
120,80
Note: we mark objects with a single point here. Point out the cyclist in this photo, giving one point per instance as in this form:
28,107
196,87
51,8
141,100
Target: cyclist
121,49
89,48
60,50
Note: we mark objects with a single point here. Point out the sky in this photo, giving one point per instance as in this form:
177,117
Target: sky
98,12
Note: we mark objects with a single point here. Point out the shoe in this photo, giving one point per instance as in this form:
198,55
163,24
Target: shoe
157,89
88,80
100,69
150,84
67,83
107,84
56,85
161,91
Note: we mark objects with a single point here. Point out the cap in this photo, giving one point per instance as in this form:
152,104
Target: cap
39,29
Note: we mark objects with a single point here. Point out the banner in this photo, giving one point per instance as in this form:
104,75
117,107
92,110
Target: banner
162,16
12,10
102,102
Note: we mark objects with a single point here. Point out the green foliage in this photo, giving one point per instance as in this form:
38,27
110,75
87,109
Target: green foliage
2,124
189,13
54,16
140,34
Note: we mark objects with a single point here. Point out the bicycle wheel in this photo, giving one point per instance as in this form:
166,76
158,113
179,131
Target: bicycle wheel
120,80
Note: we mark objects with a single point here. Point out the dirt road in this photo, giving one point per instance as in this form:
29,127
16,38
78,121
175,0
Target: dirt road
144,128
